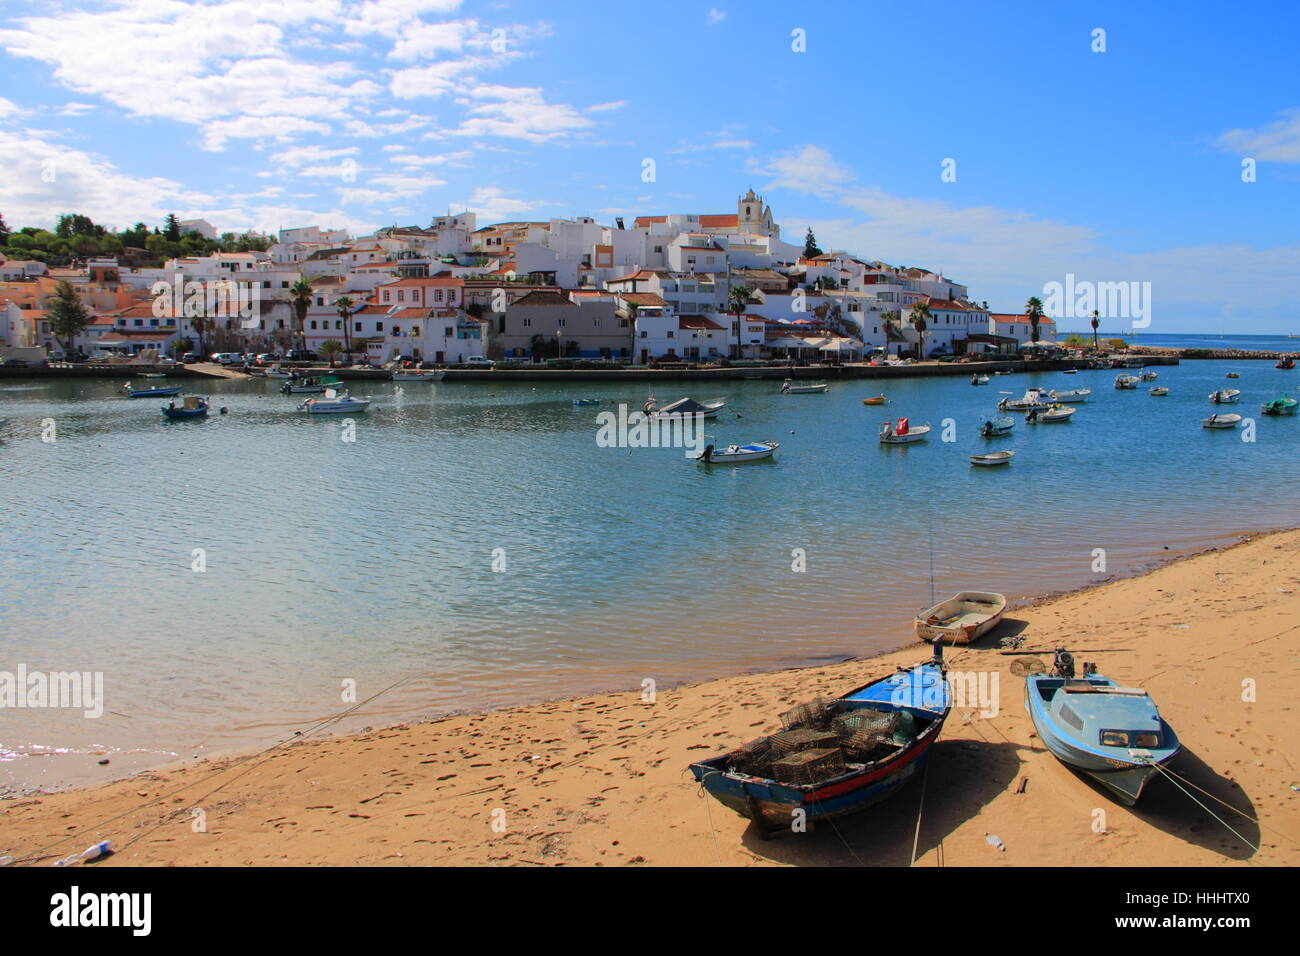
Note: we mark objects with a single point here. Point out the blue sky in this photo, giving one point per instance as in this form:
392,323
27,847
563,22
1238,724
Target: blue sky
1123,165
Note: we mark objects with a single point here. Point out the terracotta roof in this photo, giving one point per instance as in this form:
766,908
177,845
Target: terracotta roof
541,297
641,298
424,281
718,222
696,322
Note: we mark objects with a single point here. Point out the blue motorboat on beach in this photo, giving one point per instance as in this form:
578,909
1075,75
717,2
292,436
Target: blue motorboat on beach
1113,734
835,757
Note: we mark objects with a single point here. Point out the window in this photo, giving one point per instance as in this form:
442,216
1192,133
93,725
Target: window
356,327
320,300
670,334
1070,717
528,323
415,330
313,324
645,334
379,326
563,322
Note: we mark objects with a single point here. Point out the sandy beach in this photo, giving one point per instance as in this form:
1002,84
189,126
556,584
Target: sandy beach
603,781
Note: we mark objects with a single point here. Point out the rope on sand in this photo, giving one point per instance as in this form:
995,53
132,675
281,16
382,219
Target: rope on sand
916,839
1204,807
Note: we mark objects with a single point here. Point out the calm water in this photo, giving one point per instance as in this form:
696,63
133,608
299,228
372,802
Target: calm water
372,560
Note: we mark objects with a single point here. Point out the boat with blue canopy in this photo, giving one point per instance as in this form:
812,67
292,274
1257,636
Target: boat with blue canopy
837,757
192,407
1111,733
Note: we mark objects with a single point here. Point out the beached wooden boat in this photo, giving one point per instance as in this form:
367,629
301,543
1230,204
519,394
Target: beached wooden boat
1126,381
789,388
1221,421
1113,734
1158,390
192,407
993,458
684,407
334,403
902,433
875,400
737,454
963,617
153,391
995,427
418,375
1282,405
1226,396
835,758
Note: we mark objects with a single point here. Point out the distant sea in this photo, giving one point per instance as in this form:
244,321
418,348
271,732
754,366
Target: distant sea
1199,340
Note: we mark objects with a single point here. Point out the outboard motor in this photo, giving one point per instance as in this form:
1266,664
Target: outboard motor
1063,663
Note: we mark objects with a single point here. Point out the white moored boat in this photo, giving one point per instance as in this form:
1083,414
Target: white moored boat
1158,390
1225,396
1071,395
1033,398
1049,416
1126,381
684,407
1221,421
979,379
903,433
418,375
994,427
275,371
334,403
993,458
962,618
789,388
737,454
1148,376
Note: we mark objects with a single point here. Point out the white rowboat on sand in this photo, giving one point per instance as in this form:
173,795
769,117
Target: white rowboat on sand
962,618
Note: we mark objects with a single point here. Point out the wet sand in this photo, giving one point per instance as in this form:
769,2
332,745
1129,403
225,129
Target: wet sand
602,780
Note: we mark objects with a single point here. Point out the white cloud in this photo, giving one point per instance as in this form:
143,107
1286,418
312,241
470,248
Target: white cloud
715,16
520,113
1277,142
605,107
493,204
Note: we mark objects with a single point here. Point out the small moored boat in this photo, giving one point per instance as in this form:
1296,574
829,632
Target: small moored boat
1148,376
1158,390
684,407
902,433
963,617
585,402
789,388
153,391
1282,405
1233,375
993,458
994,427
835,758
1113,734
1285,362
1049,416
333,403
1225,396
1221,421
1033,398
979,379
737,454
1071,395
1126,381
418,375
310,385
875,400
192,407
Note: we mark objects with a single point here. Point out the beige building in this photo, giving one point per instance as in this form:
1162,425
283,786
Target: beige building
587,325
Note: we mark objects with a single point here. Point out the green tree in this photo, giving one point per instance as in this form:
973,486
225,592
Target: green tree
343,305
67,315
172,228
810,245
889,322
4,230
919,318
300,296
1034,312
330,348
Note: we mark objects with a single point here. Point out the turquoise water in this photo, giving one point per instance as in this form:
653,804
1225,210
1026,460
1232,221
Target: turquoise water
373,560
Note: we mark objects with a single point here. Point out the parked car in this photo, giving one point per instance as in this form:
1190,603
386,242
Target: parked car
938,350
479,360
191,357
300,355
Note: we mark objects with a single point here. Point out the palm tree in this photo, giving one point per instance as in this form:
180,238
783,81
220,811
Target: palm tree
1034,312
300,296
344,307
201,325
1096,321
330,348
889,321
737,300
919,318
